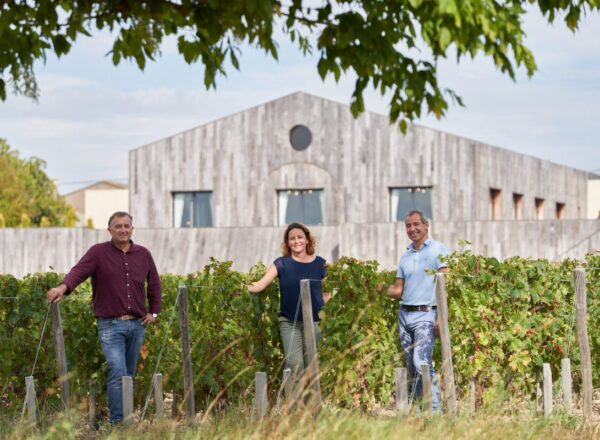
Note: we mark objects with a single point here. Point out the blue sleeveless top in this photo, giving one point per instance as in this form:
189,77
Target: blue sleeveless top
290,272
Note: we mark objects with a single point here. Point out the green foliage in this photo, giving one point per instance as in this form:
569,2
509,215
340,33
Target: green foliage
359,348
25,221
385,43
506,319
27,195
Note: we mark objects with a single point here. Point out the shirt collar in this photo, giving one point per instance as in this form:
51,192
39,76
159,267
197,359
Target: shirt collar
411,246
131,248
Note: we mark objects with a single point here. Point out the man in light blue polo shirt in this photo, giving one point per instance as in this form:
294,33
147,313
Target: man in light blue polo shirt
417,314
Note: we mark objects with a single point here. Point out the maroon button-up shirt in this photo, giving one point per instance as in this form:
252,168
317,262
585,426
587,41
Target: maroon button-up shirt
118,280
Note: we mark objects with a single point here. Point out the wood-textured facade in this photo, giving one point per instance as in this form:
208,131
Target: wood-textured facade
245,158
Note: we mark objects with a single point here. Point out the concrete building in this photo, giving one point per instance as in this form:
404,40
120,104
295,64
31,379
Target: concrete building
245,170
95,203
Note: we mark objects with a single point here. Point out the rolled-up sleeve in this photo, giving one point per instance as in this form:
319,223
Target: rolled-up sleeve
84,268
400,271
442,252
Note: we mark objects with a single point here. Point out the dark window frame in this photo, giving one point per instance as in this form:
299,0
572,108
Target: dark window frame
304,217
412,192
199,221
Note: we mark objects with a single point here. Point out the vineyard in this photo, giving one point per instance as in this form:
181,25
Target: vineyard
506,319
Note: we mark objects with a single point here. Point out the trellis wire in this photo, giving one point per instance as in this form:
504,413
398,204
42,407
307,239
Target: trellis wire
160,352
37,353
41,338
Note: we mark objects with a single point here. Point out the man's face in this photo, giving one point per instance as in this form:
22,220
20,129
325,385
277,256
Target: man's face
416,230
120,230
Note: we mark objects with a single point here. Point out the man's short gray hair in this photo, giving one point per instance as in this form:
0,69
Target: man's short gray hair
119,214
424,218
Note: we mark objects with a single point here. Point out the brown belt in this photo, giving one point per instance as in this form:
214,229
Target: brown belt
409,308
126,317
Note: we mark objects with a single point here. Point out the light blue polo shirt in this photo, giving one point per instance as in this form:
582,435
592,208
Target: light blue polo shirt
419,286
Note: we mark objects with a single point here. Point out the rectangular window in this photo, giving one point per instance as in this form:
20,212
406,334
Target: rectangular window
539,208
192,209
407,199
300,205
518,206
495,203
560,210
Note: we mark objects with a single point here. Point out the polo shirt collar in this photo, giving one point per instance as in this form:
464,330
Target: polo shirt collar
411,246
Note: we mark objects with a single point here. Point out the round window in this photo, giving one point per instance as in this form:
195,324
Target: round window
300,137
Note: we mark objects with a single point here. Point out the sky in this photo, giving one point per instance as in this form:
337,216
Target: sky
91,113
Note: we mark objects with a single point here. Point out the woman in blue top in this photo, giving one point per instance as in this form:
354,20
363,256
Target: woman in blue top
298,262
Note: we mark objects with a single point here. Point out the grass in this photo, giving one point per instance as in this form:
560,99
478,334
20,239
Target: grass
332,423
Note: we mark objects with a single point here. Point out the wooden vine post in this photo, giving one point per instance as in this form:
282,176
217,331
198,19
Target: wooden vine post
547,387
30,404
401,382
61,354
188,382
310,341
159,400
447,368
260,392
127,392
426,384
567,385
583,340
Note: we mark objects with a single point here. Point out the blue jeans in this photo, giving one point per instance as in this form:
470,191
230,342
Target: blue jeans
121,342
417,338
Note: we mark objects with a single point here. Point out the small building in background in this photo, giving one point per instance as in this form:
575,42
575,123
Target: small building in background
95,203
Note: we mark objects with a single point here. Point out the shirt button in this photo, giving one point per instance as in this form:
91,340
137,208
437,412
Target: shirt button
127,284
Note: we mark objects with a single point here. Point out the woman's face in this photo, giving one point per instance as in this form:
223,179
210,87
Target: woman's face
297,241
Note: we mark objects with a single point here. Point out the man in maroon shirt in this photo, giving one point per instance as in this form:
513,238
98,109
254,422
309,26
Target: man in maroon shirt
119,270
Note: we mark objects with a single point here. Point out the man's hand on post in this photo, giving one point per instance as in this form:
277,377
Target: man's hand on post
149,319
436,328
56,293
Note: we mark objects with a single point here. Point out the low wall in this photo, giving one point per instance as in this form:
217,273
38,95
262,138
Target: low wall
187,250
